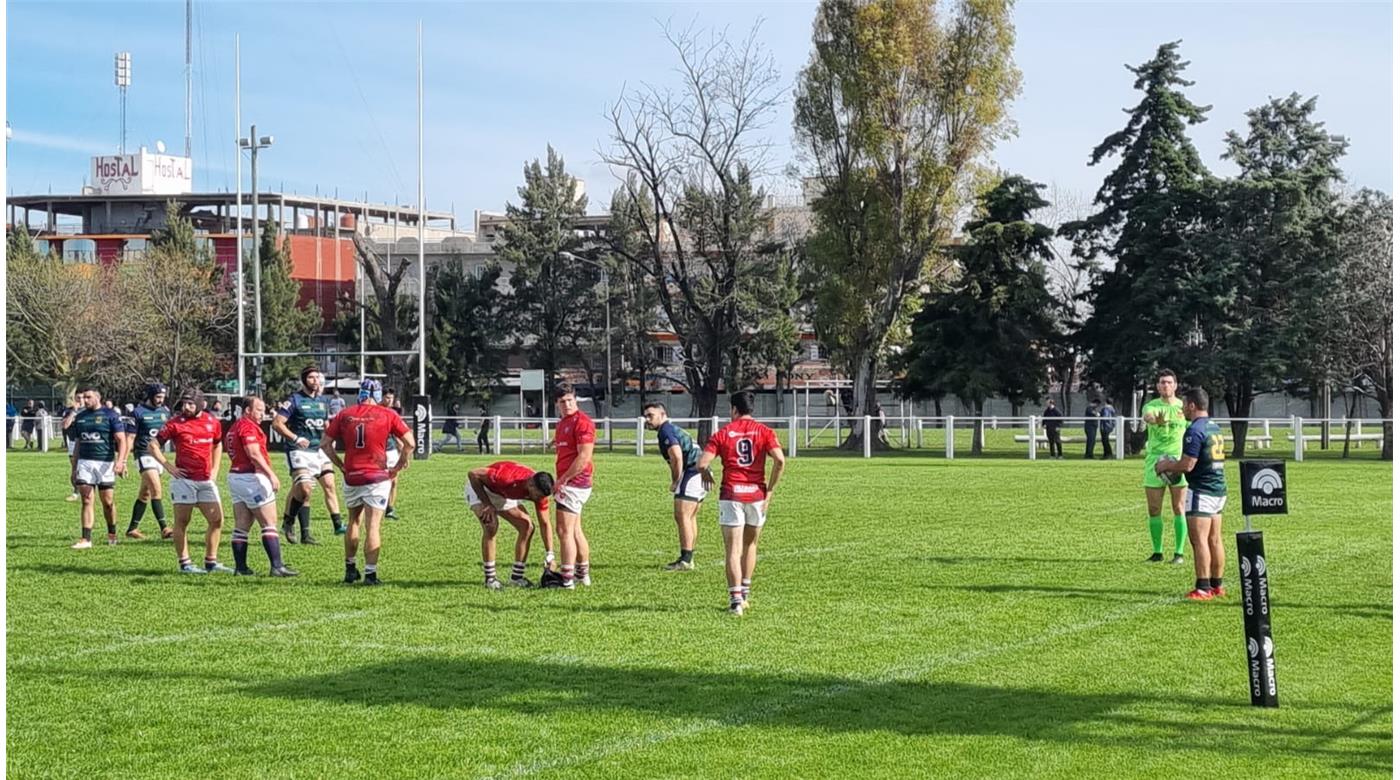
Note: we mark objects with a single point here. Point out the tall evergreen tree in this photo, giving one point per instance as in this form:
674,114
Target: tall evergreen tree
1148,210
991,332
467,344
1270,256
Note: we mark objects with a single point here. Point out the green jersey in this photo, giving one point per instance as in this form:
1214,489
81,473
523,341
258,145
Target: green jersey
306,416
1205,443
97,432
146,423
1164,438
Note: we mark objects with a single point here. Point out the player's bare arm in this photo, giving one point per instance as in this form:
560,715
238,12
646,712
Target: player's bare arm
406,445
279,424
261,465
703,466
478,479
585,457
1180,466
677,461
774,474
153,448
328,447
123,451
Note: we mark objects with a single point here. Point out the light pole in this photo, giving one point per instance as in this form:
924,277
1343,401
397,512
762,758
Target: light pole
253,143
607,324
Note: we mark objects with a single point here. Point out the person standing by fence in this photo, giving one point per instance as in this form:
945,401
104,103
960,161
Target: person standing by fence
1053,418
449,429
483,433
1108,422
1091,428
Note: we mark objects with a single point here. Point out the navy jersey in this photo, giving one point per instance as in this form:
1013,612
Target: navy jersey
1204,442
394,443
97,432
146,422
669,435
306,417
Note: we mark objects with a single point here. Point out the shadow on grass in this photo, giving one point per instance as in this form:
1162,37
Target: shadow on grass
833,704
1108,594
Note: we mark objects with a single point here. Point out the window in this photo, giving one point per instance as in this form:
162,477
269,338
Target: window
664,353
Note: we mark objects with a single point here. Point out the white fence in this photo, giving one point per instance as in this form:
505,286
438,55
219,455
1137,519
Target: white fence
948,436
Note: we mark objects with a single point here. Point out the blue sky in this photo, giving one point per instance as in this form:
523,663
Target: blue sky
334,82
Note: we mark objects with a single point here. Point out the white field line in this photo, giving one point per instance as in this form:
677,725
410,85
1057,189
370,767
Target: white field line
894,674
209,634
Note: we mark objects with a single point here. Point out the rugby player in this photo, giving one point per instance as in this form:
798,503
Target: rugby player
496,491
391,401
743,447
1203,462
301,420
98,458
1166,424
199,449
687,485
146,420
69,438
253,486
574,437
363,431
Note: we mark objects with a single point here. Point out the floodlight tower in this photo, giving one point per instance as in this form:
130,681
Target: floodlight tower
123,79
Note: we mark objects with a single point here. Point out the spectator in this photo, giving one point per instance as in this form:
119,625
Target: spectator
11,420
1053,418
450,428
336,403
26,425
483,434
1091,428
1108,422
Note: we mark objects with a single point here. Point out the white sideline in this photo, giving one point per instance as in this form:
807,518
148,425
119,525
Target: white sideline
896,674
212,633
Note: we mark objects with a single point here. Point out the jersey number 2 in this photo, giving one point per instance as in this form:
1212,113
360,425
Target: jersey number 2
744,448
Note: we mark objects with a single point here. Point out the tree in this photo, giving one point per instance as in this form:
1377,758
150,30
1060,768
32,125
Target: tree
635,307
1361,313
180,305
391,314
989,334
1149,213
287,326
57,317
1269,257
1068,281
347,331
553,300
690,159
466,348
893,112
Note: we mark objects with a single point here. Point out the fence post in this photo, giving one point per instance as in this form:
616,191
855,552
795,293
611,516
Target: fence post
792,435
948,437
1297,437
607,431
714,425
43,428
496,440
919,432
1034,445
865,437
641,421
1120,437
544,434
1266,441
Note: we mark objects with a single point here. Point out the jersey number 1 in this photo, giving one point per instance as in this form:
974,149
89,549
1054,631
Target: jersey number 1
360,436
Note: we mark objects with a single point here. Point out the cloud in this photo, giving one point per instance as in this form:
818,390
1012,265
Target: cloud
63,142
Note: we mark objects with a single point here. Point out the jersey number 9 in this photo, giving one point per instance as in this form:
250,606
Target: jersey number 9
744,449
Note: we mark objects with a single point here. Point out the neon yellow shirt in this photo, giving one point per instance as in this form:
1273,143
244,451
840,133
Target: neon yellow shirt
1164,438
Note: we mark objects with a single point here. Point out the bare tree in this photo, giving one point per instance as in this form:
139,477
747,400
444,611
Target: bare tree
689,160
1068,280
382,305
1363,313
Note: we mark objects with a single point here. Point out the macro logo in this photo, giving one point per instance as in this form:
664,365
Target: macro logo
1266,491
1258,564
1266,481
1253,648
1244,567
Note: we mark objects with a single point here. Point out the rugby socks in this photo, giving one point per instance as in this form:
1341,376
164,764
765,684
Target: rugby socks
1179,526
272,543
349,563
87,534
240,549
111,527
1216,582
582,569
210,563
1154,530
488,568
1203,583
304,519
371,569
517,570
158,509
568,571
185,561
746,584
687,556
138,510
736,594
293,508
335,521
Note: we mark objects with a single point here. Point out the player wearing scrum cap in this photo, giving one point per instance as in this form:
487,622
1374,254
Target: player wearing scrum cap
196,435
146,420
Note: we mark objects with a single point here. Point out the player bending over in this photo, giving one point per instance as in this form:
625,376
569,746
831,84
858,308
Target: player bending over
743,447
98,458
198,451
253,485
363,432
1203,463
687,485
301,420
496,491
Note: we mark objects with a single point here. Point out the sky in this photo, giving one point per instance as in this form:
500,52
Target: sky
335,84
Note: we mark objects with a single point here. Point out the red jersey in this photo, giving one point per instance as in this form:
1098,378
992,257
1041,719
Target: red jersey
573,431
363,432
742,446
195,439
509,479
243,432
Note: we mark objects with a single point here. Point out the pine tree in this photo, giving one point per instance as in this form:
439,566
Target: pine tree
466,347
1149,211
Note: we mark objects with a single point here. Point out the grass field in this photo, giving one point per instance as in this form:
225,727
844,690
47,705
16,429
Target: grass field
911,617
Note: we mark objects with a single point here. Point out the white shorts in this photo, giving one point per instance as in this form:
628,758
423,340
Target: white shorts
571,499
148,463
98,473
194,491
313,461
1198,505
691,487
391,459
374,495
736,513
251,490
501,503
